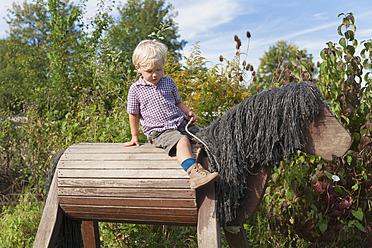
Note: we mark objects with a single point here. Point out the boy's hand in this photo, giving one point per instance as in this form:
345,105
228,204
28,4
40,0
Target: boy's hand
191,115
133,142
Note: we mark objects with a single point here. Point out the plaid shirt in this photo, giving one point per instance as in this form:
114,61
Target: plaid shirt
156,105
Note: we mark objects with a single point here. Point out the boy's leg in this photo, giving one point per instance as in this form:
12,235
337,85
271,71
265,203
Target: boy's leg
198,175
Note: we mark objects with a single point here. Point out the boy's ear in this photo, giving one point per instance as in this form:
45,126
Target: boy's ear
138,68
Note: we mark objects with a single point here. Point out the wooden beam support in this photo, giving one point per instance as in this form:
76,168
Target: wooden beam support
90,232
51,219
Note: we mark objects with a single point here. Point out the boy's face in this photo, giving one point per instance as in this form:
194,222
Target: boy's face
152,75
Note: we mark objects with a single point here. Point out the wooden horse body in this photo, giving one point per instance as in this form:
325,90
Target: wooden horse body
107,182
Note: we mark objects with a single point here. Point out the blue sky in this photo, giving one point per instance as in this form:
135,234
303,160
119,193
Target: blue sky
307,24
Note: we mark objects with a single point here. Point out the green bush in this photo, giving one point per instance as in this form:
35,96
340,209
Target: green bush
329,204
18,225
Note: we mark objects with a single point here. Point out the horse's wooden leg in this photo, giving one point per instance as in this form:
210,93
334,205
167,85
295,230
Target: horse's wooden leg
208,228
209,234
51,219
237,240
256,185
90,232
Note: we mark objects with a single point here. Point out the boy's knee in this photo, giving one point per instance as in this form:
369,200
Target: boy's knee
183,140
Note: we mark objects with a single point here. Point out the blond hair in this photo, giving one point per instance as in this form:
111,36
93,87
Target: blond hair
148,53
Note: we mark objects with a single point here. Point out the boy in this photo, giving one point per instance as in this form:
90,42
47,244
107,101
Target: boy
154,101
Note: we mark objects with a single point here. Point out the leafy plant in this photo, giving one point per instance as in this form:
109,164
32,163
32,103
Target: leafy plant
18,225
332,206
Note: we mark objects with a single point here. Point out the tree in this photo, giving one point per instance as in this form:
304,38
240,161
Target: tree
141,18
30,36
282,58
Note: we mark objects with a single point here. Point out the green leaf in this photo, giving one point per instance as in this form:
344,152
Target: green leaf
343,42
359,226
358,214
323,226
329,175
349,159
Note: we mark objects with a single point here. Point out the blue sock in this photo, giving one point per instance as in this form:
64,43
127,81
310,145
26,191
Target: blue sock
187,163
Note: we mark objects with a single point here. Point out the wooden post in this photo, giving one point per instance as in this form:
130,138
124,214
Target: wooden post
90,232
208,228
51,219
209,234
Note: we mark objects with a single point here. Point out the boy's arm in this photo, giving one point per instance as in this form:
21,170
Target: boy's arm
188,112
134,128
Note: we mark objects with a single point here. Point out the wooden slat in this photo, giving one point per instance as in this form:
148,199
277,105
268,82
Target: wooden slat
125,210
124,183
136,164
135,218
113,157
104,148
126,192
119,173
115,146
135,202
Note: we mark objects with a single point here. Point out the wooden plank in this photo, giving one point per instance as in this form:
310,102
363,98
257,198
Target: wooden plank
237,240
113,149
123,183
116,146
120,173
208,228
135,218
51,219
128,192
114,157
90,233
134,164
135,202
125,210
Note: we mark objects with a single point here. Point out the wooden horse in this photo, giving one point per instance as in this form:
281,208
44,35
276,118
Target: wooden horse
107,182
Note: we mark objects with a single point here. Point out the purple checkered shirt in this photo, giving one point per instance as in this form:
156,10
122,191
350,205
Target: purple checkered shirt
156,105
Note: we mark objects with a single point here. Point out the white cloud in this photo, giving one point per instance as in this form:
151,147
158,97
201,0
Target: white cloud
197,17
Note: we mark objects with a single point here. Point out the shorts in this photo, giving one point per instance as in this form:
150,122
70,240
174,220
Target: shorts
168,139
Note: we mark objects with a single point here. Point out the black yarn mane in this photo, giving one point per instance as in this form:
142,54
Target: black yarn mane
258,133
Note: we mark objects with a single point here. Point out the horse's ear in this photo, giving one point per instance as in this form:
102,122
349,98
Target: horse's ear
326,137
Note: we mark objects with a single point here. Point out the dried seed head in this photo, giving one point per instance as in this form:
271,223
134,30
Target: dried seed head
240,78
254,79
236,38
221,58
253,74
285,64
275,74
298,57
238,44
251,68
244,63
318,64
248,34
309,65
280,59
229,75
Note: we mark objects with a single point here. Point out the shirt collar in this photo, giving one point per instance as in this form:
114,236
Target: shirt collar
141,81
